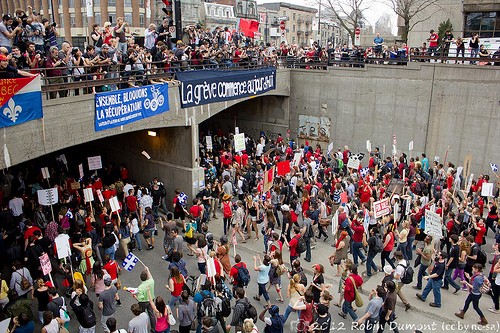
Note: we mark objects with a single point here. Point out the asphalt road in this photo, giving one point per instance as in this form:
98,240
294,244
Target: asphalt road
420,317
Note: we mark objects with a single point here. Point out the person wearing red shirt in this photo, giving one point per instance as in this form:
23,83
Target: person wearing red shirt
433,43
352,282
292,245
449,181
388,247
123,172
196,211
244,158
357,238
29,232
480,227
233,273
276,244
365,192
131,201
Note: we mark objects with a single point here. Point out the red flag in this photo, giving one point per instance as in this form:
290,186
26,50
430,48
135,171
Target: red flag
283,168
166,2
268,179
248,27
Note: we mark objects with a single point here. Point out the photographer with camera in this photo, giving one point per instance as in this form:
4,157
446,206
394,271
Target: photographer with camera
34,58
55,67
36,33
121,30
150,36
51,35
8,32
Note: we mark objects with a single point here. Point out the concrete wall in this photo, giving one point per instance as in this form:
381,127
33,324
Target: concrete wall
436,106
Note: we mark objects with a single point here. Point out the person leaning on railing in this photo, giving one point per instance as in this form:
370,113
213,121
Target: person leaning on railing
54,71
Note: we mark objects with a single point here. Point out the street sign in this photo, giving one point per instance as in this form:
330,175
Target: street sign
357,37
282,18
282,25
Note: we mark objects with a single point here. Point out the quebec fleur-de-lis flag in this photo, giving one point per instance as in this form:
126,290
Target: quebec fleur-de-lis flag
20,100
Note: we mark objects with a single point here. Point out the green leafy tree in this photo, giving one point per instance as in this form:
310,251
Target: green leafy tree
443,26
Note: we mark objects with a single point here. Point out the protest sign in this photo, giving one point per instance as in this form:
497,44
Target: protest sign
88,195
487,190
239,142
433,225
208,139
353,163
95,162
381,208
45,173
115,205
99,195
45,264
62,245
368,145
48,197
80,170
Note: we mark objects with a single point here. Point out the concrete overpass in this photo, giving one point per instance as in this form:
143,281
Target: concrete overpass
454,108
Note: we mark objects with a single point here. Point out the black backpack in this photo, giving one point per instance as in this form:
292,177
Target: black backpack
379,245
481,256
225,306
301,245
250,312
88,318
407,276
243,276
108,241
207,306
245,187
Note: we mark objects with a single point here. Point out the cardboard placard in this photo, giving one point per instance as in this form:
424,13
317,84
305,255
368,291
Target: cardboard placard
396,186
487,190
208,139
99,195
45,264
239,142
75,186
381,208
88,194
353,163
410,146
95,162
296,159
80,170
368,145
433,224
48,197
45,173
115,205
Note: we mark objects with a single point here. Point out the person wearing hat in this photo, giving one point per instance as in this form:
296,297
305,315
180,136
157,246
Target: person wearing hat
275,323
9,72
107,301
223,254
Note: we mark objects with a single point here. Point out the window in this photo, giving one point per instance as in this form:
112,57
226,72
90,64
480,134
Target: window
97,18
61,21
293,15
84,20
112,18
97,3
127,3
141,3
219,12
71,3
293,39
212,11
72,20
112,3
473,21
293,28
227,13
141,20
128,18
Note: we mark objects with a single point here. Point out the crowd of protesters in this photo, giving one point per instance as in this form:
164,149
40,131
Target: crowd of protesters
315,192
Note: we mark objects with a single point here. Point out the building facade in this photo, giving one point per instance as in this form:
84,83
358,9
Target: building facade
298,21
218,15
482,17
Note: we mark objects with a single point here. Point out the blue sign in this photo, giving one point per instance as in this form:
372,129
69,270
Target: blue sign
210,86
120,107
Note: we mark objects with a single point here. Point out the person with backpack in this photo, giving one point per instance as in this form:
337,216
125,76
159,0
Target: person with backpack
239,273
294,243
474,285
352,282
402,269
21,280
275,323
263,267
375,246
223,305
84,312
206,304
227,211
243,309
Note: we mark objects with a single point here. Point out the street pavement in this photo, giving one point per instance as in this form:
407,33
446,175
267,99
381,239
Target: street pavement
420,317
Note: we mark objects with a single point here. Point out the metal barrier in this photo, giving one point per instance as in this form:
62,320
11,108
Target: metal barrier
95,79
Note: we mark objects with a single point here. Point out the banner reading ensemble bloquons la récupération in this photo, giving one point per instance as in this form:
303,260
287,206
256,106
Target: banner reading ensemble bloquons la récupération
210,86
120,107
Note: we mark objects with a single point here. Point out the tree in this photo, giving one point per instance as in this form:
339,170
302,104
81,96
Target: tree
411,12
443,26
348,13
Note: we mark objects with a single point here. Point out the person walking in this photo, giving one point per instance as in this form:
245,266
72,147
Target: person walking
387,314
398,275
372,312
474,284
352,282
452,264
434,281
425,260
263,278
107,301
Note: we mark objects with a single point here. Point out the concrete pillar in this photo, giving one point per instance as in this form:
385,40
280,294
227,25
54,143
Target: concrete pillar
78,16
66,21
